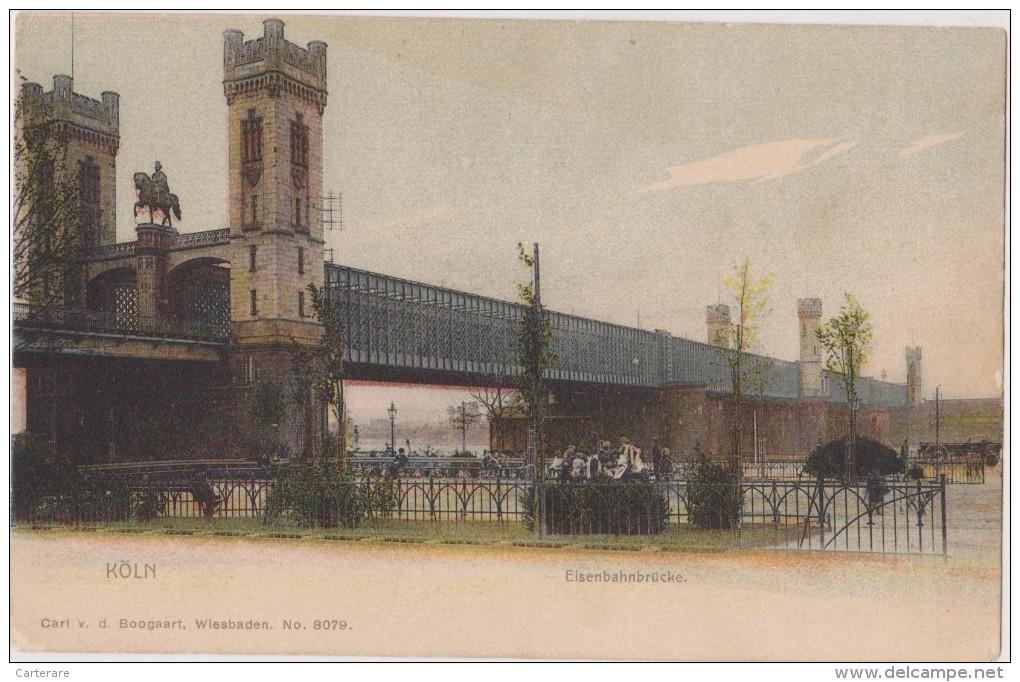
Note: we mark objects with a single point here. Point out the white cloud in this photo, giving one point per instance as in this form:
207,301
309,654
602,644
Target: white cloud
928,142
754,162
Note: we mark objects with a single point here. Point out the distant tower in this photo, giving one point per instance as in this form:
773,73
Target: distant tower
276,95
914,384
809,312
717,321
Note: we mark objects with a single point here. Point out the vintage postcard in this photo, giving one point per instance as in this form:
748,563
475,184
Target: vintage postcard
507,337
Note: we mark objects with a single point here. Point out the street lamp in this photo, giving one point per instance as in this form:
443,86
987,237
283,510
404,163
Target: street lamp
393,418
851,449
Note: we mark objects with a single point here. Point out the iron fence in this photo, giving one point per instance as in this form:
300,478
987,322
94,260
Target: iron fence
776,470
487,468
957,470
877,517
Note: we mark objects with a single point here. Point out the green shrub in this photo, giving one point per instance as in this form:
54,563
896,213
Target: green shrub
46,487
148,505
714,497
318,494
827,460
103,499
380,495
37,476
600,507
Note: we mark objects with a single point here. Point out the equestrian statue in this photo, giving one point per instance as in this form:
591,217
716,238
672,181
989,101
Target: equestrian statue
154,194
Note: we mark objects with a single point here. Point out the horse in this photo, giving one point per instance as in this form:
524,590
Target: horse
150,196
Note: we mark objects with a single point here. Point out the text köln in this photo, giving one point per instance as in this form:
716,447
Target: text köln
130,570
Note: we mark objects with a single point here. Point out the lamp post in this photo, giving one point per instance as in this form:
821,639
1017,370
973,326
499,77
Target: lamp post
393,418
851,450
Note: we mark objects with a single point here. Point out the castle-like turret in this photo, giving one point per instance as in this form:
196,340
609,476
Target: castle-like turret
89,131
809,312
717,323
276,95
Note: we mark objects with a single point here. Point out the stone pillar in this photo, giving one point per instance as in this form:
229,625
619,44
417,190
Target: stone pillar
685,420
152,253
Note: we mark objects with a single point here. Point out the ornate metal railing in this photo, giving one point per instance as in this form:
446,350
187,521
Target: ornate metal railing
29,318
111,251
220,236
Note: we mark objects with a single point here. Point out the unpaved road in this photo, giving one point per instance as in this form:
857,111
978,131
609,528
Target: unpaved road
497,601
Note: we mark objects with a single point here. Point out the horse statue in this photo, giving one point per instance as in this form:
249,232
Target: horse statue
154,193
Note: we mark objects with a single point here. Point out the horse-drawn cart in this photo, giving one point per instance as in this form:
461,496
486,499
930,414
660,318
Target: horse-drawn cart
972,449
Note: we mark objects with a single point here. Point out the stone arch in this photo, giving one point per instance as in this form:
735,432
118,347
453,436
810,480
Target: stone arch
114,293
197,295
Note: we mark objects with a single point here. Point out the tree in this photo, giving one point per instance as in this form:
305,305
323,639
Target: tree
847,342
462,418
751,297
49,217
319,369
534,349
500,402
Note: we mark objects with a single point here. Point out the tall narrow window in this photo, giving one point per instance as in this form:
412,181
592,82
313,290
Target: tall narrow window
299,142
254,209
301,260
249,370
301,304
88,193
253,258
254,302
297,211
251,138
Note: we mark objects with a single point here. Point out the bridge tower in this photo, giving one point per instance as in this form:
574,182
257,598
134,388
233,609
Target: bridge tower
913,375
717,322
85,136
809,312
276,95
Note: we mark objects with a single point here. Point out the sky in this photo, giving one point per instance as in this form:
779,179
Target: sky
647,159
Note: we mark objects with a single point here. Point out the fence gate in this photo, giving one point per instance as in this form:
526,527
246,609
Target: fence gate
880,517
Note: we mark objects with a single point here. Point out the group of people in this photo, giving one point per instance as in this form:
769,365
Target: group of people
621,463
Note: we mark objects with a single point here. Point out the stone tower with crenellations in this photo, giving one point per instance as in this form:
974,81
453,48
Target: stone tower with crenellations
809,313
89,130
276,95
84,136
717,322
